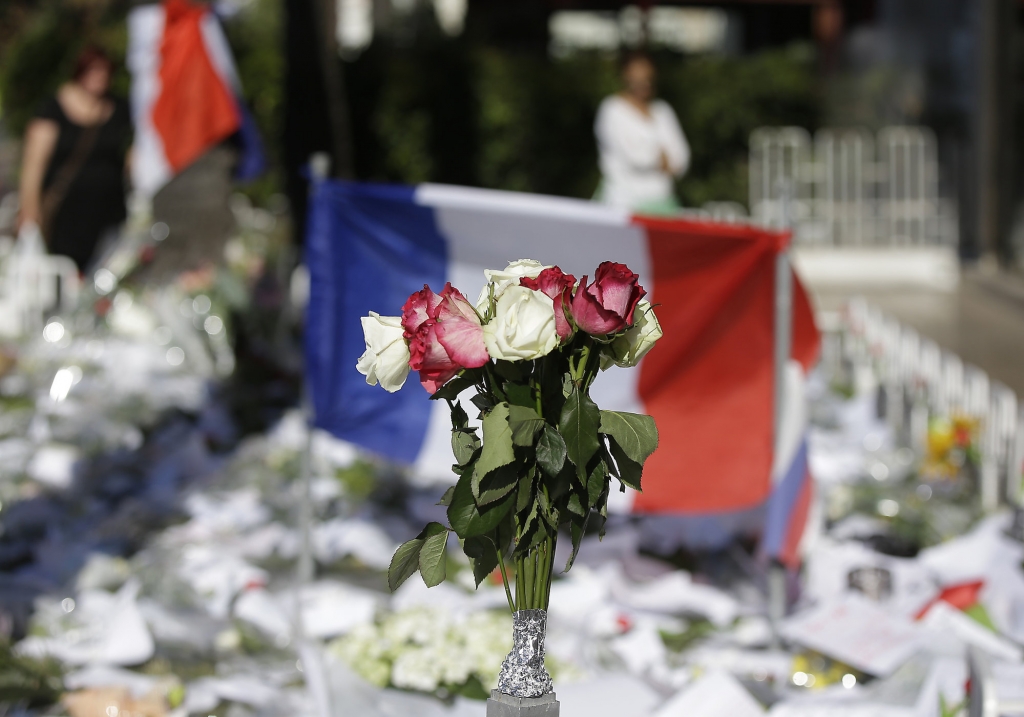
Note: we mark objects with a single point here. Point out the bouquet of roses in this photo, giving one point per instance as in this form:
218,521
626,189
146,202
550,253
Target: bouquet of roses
545,455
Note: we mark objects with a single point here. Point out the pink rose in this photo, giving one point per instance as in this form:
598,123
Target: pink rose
558,285
428,356
419,308
444,334
607,305
459,329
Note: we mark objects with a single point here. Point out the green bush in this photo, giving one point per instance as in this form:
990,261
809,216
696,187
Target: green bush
721,100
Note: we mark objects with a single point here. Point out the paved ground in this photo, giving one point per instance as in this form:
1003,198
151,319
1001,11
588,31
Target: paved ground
983,321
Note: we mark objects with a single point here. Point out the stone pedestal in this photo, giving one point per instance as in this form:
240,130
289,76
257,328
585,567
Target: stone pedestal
502,705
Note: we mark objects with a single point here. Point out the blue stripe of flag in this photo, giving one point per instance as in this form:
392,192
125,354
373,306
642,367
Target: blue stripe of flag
367,248
782,502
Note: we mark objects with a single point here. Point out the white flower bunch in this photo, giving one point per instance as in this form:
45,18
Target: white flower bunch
427,650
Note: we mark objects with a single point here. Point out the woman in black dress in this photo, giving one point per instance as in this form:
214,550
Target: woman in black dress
73,170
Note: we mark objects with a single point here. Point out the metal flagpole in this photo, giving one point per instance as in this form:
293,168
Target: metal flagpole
783,346
309,653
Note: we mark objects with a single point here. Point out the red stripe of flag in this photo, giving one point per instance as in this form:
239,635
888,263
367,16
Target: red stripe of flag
195,110
709,382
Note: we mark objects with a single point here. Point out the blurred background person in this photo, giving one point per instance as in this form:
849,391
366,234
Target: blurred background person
74,162
641,145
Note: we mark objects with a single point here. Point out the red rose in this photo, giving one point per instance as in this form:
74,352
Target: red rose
607,305
444,335
558,285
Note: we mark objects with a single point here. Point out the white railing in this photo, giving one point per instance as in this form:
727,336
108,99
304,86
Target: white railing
33,283
921,381
847,187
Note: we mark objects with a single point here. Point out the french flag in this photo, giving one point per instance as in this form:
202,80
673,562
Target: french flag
708,383
186,95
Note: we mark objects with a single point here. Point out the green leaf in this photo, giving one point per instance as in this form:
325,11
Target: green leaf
577,528
531,518
404,563
558,487
514,371
629,471
446,499
520,394
482,556
576,507
636,434
432,566
541,532
496,484
547,511
467,519
578,425
455,386
550,451
531,537
497,446
525,493
525,424
464,445
601,516
460,421
597,482
483,402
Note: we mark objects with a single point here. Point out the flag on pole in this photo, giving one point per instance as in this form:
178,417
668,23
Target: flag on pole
186,96
790,502
708,383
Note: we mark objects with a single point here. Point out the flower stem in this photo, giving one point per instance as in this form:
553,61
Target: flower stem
504,581
551,569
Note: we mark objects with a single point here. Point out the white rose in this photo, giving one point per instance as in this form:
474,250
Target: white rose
502,279
523,327
627,350
386,358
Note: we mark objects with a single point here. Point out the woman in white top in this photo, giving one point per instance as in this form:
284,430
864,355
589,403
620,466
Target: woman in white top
641,144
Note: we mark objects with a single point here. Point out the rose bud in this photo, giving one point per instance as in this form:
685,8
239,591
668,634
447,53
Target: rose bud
627,349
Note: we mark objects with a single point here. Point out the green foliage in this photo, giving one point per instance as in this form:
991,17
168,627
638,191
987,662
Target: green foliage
497,447
578,425
536,121
545,464
424,553
358,479
432,556
404,563
256,39
721,100
27,681
635,434
694,631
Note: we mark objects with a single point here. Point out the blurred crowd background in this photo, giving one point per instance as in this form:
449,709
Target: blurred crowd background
484,93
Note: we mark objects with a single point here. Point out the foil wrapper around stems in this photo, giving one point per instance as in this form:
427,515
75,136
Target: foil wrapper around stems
523,673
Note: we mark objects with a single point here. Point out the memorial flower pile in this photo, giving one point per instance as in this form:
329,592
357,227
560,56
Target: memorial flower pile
545,454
